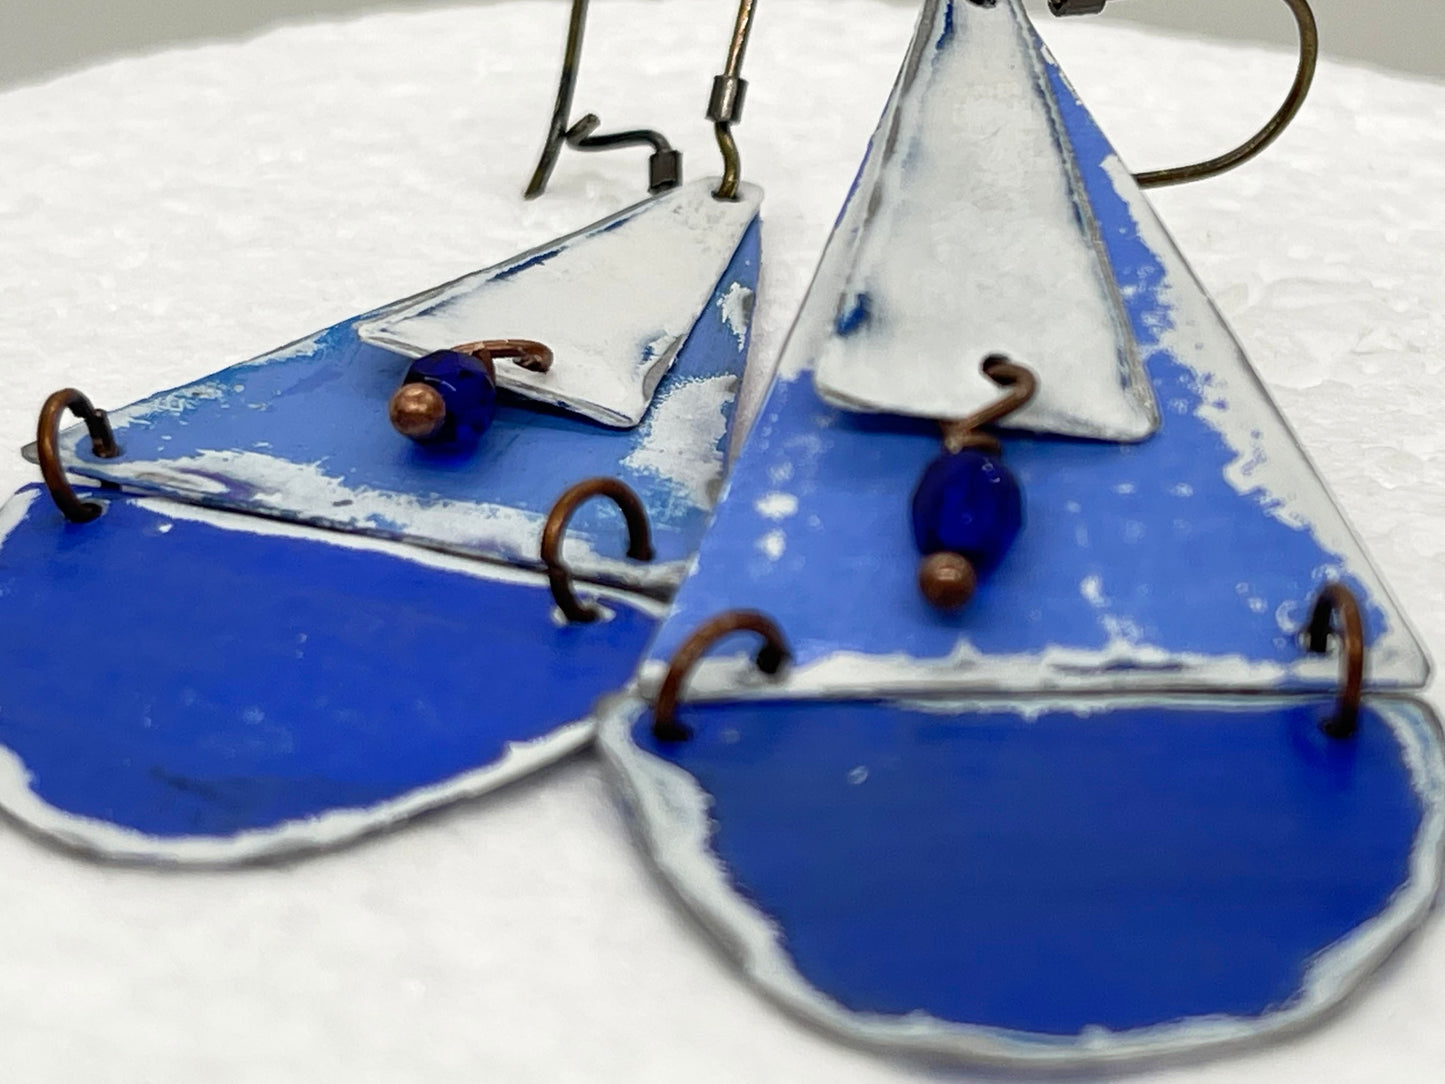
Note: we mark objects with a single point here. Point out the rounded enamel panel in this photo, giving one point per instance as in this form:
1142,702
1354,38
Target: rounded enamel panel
186,684
1046,881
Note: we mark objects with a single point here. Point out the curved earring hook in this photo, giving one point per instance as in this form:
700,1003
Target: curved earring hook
664,166
639,539
1309,51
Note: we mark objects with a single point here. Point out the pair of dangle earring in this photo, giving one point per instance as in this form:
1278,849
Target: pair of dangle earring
366,574
1123,771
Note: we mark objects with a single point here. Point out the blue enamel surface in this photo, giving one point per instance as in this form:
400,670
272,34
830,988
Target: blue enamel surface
1126,868
181,679
323,402
1146,544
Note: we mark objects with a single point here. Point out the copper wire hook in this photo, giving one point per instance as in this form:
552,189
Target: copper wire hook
47,441
664,167
770,659
1309,52
525,354
1020,386
1337,613
639,539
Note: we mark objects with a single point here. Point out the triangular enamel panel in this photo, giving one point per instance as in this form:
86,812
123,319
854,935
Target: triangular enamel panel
658,263
302,434
185,685
970,233
1184,560
1045,883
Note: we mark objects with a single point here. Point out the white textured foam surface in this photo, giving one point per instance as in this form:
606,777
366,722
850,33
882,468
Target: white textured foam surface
164,216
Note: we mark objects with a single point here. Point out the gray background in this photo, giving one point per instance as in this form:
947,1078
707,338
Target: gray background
43,38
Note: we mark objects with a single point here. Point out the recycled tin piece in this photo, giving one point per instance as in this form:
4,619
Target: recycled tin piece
302,434
1183,560
254,688
670,250
1120,806
983,243
1043,881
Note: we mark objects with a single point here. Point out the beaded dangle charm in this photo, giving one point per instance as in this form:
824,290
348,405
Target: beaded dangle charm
1121,802
363,575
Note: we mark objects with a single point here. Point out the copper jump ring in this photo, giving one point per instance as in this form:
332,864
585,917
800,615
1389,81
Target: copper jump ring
525,353
639,539
770,659
1337,613
47,441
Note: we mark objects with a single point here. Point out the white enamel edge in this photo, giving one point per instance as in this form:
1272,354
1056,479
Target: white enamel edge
670,815
280,486
115,843
1269,459
14,511
1122,666
614,301
467,566
332,829
976,244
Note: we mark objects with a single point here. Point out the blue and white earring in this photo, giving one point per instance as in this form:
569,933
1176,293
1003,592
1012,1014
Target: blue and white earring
1124,801
365,575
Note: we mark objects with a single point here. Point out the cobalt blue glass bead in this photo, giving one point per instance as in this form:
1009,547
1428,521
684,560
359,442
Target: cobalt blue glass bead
467,389
969,503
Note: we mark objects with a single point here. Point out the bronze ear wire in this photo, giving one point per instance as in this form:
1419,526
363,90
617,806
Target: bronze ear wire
664,166
725,107
1309,52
